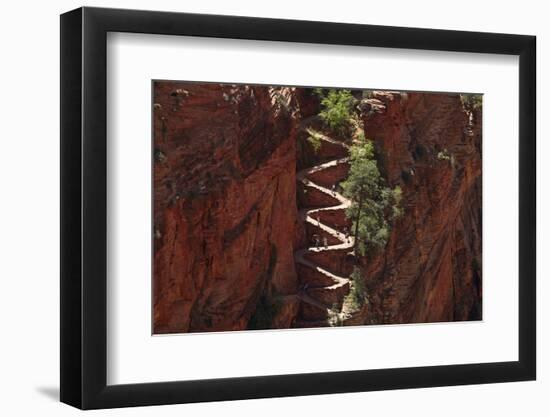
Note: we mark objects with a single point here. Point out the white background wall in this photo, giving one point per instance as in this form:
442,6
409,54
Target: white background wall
29,226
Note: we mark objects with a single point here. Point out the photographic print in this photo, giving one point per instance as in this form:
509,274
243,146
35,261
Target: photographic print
280,207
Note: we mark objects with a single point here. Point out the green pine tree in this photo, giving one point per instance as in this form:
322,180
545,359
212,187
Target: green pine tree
373,204
337,109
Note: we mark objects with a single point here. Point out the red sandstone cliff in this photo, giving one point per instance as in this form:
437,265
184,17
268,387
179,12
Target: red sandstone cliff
224,204
431,268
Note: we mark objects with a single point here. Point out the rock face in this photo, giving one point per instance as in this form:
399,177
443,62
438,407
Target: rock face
431,268
228,218
224,205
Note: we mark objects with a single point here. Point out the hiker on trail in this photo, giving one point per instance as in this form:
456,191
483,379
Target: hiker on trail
316,240
348,237
318,222
325,241
333,189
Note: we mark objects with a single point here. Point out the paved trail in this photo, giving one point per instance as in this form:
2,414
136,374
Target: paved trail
316,311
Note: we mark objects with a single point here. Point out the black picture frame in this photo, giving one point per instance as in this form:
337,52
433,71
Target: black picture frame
84,207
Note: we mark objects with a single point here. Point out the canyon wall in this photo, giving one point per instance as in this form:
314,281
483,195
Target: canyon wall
430,146
224,204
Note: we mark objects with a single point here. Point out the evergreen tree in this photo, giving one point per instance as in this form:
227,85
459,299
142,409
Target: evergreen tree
337,106
373,204
358,292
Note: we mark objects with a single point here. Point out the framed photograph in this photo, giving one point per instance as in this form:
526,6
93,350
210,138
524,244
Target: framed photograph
256,208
